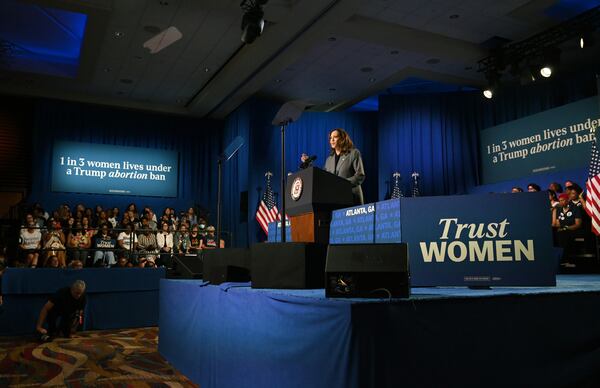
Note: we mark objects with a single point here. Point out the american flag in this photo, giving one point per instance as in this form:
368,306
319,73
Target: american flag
267,210
592,205
397,191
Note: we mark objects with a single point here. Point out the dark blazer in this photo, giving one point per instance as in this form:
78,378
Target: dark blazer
350,166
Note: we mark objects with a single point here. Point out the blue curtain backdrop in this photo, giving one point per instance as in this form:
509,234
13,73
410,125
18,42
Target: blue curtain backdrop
197,142
262,153
437,135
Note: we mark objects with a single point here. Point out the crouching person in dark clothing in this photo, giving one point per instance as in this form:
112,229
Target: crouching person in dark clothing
64,309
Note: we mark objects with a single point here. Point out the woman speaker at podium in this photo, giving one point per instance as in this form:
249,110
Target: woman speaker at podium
344,161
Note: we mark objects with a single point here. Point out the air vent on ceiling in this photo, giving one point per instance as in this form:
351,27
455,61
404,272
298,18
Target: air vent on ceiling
163,40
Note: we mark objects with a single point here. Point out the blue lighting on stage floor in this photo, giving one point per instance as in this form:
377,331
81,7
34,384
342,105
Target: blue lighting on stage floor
40,40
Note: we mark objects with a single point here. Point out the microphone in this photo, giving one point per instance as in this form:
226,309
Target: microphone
308,161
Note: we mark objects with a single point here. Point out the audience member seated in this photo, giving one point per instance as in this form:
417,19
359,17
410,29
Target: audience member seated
105,243
182,241
54,244
89,213
147,245
103,220
516,190
164,239
88,230
210,240
51,262
128,241
31,242
191,216
147,262
68,226
532,188
195,240
113,216
132,213
151,217
79,243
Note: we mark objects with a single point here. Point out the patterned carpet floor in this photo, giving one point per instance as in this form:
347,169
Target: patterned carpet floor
115,358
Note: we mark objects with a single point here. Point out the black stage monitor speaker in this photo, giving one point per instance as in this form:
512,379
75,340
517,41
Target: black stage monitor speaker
367,271
288,265
187,267
227,265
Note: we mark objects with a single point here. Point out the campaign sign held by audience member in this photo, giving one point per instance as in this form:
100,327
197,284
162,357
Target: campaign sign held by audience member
354,225
275,232
387,222
479,240
106,243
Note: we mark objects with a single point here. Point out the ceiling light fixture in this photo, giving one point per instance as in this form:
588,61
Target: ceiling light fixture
550,62
252,21
586,39
493,80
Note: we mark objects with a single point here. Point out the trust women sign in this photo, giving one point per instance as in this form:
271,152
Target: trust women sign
485,240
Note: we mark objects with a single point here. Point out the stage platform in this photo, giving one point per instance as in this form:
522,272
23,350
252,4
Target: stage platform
235,336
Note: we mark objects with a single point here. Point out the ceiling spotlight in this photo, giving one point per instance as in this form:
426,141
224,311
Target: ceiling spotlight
550,63
252,21
586,40
546,71
493,78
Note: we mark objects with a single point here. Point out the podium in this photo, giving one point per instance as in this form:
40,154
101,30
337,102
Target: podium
311,195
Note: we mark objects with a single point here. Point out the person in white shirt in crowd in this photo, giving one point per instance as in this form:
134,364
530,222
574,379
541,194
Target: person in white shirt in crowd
128,241
31,242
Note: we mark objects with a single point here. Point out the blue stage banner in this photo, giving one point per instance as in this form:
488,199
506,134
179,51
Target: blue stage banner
480,240
387,222
355,225
108,169
275,232
554,140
